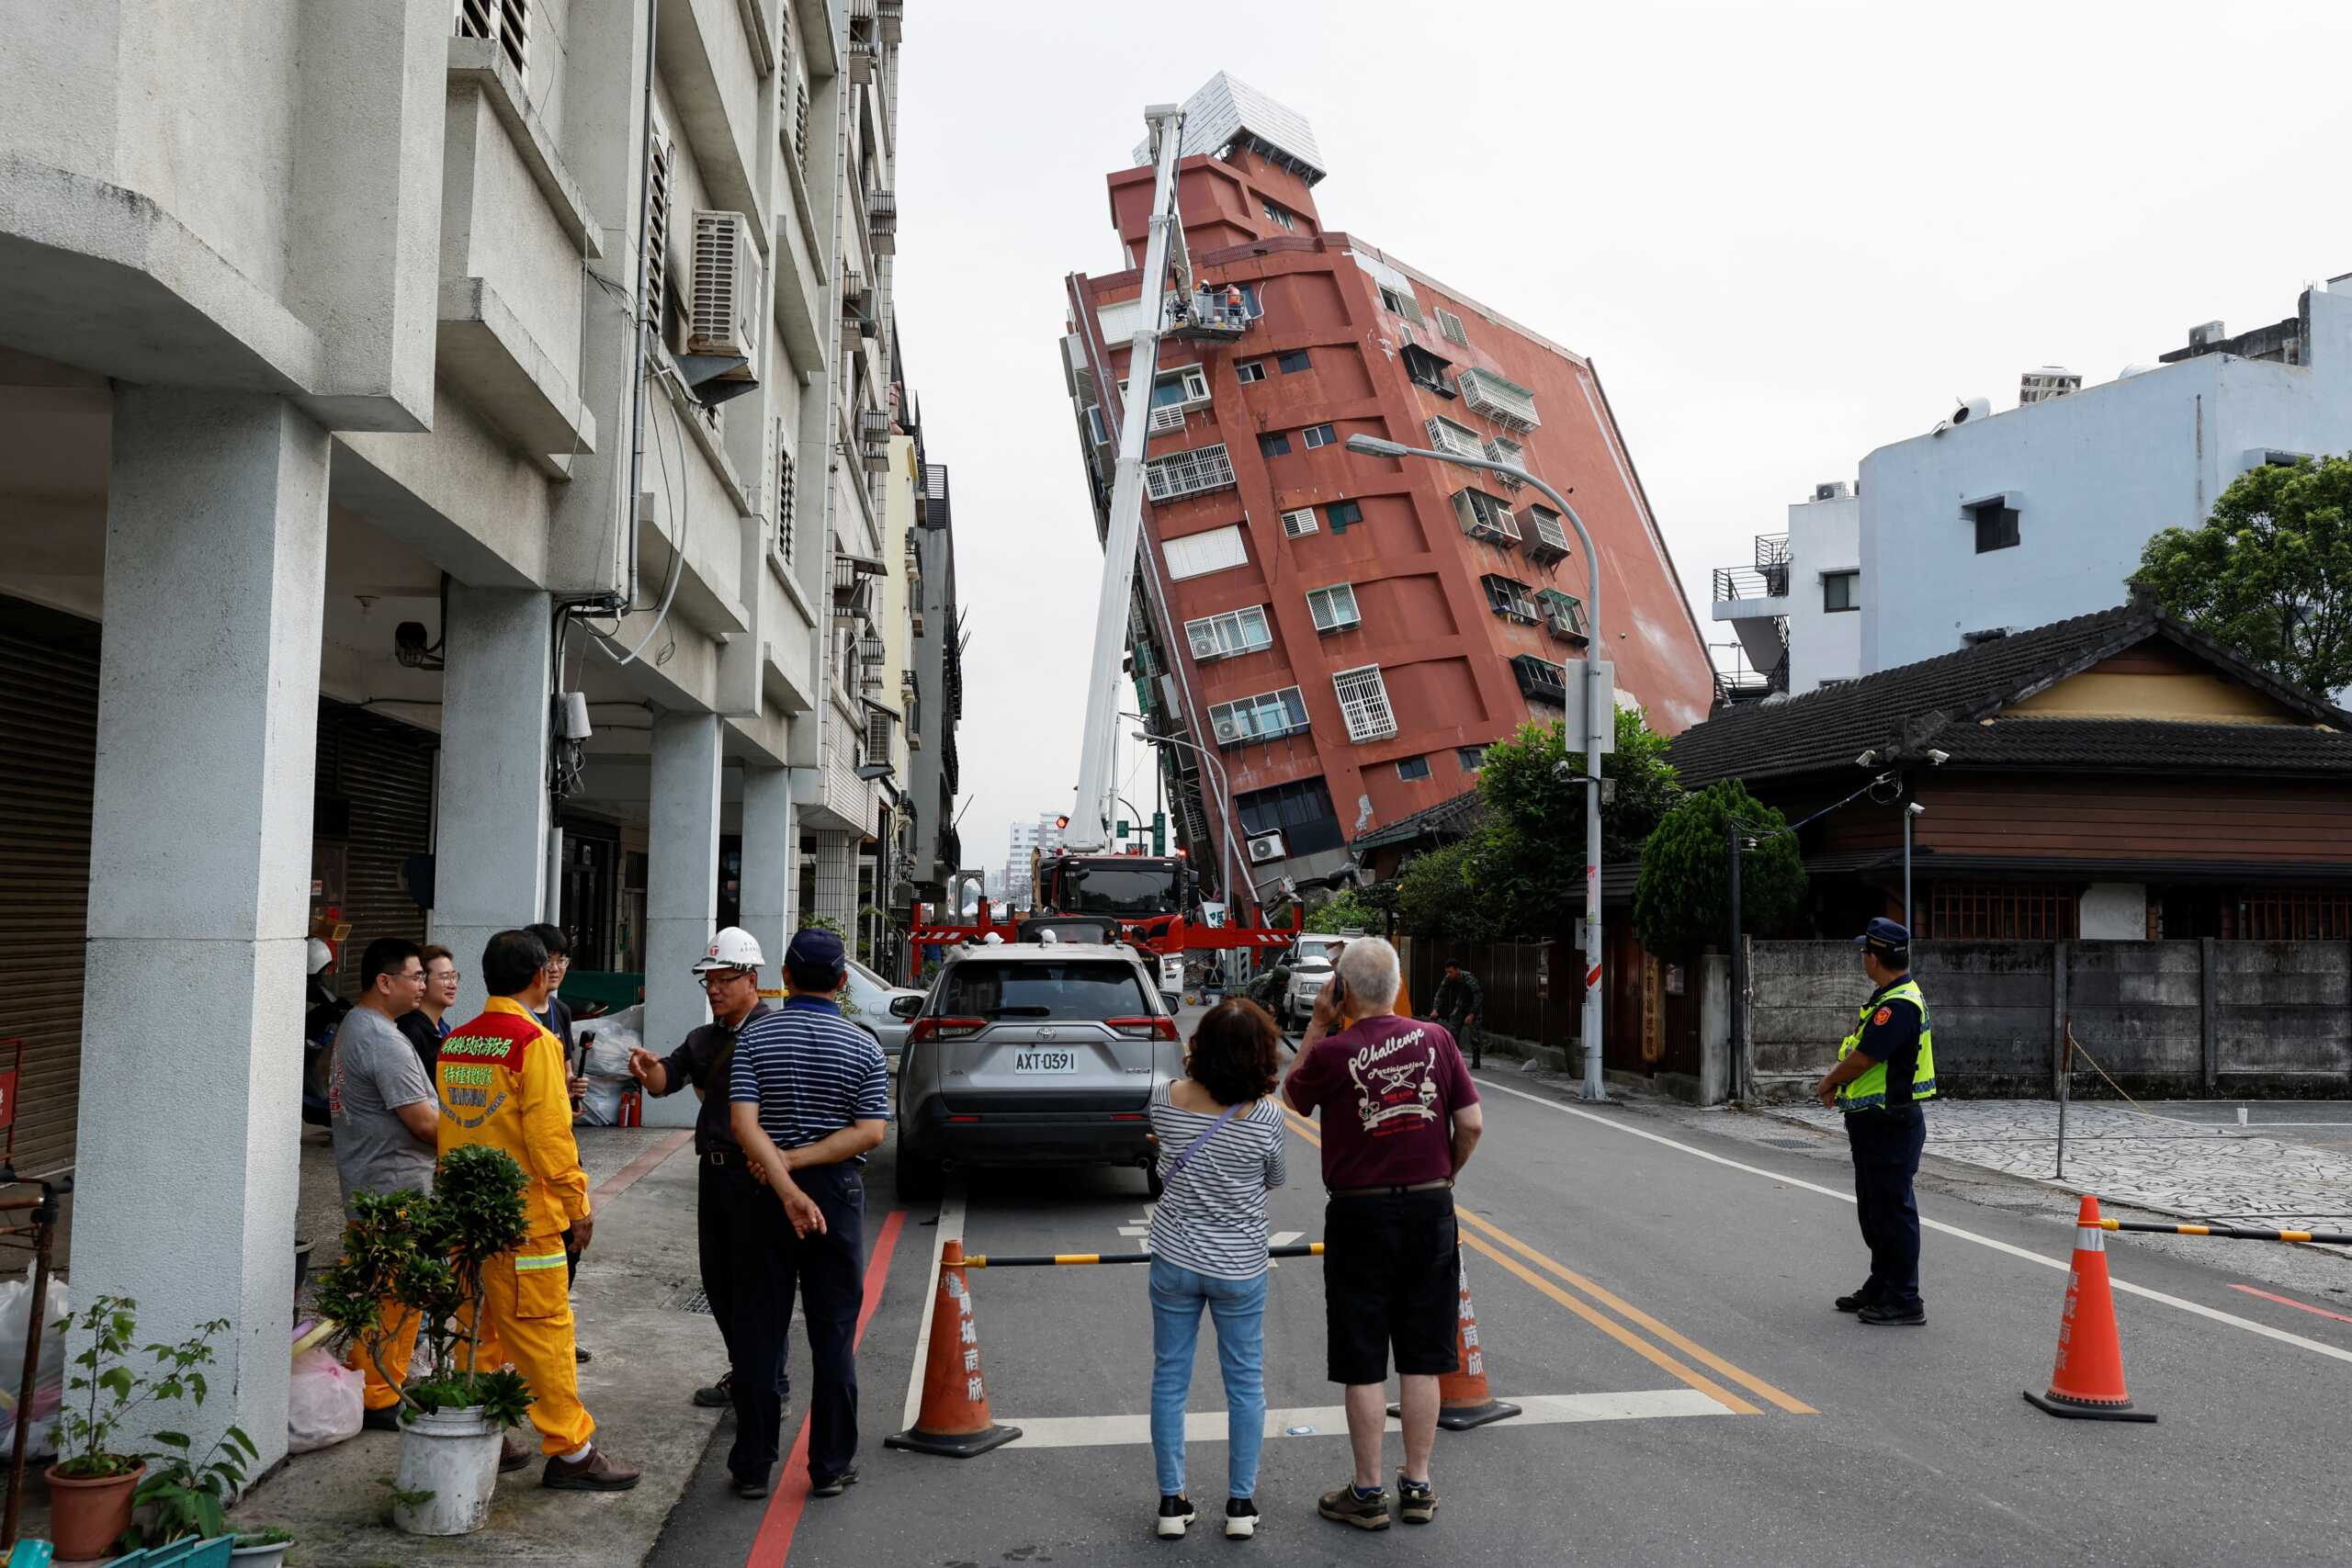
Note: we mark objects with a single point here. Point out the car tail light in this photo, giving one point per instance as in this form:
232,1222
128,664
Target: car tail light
945,1029
1161,1027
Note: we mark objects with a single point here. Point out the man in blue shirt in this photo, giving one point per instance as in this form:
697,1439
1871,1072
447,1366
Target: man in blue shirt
810,1094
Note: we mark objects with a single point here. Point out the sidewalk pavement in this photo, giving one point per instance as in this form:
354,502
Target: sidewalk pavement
2178,1160
649,1354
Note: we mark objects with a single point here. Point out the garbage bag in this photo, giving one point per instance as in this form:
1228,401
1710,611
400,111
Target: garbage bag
324,1401
617,1033
49,1373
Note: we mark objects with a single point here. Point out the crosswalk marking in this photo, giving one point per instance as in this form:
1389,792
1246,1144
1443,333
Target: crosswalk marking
1331,1420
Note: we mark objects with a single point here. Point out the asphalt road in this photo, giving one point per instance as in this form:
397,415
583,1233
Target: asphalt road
1657,1292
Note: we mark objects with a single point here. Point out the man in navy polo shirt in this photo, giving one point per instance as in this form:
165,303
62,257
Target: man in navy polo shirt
810,1094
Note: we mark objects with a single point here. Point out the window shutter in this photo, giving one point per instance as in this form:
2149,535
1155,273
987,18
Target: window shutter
1196,555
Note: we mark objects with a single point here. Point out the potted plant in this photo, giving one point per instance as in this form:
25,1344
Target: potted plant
427,1254
92,1485
185,1496
261,1549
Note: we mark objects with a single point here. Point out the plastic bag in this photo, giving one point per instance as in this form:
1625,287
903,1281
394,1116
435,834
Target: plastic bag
324,1401
48,1377
617,1033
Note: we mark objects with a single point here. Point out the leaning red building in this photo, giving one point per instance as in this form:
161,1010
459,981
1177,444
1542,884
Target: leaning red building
1347,633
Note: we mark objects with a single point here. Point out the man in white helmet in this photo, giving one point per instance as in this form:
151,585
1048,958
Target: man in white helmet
726,1189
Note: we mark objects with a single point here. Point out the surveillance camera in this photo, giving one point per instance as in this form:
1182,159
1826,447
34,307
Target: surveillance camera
1560,770
1938,757
1867,760
1915,810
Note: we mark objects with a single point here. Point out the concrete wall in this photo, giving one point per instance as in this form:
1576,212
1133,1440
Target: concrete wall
2166,1017
1824,536
2097,473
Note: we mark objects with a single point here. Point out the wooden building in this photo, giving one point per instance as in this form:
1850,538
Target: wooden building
2116,776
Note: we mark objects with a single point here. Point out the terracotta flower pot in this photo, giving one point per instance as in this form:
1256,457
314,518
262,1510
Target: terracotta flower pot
87,1517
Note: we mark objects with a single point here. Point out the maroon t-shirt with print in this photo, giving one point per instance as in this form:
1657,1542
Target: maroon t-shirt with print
1388,1088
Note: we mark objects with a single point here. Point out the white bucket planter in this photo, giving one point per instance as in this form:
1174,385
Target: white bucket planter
453,1456
270,1556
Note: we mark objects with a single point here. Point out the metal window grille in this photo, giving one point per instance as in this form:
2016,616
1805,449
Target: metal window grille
1546,539
2287,914
785,496
1500,450
878,733
1451,326
2003,911
1223,637
1505,402
1564,613
506,23
1191,472
1483,517
1506,596
1334,608
1299,523
1363,703
1448,437
1267,716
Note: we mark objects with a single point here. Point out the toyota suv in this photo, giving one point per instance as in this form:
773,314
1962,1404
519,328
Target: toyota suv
1032,1054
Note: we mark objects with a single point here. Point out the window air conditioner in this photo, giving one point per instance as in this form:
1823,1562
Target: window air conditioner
723,317
1228,731
1265,847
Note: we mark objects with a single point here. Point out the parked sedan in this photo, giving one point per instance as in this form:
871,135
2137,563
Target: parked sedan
865,1002
1032,1055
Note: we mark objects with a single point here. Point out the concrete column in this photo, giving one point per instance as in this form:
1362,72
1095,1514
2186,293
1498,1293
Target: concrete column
489,858
770,853
681,888
837,881
200,881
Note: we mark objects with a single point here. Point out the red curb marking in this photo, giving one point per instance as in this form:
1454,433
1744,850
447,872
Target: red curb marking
773,1544
2300,1306
626,1177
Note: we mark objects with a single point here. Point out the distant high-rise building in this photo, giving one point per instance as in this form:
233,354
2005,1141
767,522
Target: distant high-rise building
1030,840
1348,633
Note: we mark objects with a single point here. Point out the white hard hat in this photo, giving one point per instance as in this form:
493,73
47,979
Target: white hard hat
1047,936
322,955
733,947
992,940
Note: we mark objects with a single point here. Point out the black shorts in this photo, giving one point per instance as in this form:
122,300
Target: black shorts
1392,1276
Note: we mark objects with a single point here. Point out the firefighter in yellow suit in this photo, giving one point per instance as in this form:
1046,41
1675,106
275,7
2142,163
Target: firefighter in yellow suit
503,1083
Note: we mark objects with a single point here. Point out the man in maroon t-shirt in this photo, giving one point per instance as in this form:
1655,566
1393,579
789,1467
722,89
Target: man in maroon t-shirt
1400,1117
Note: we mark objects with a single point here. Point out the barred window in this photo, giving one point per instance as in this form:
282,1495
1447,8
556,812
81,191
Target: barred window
1363,703
2003,911
1189,473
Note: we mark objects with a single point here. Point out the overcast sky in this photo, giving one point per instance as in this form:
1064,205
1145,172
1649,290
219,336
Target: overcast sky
1784,234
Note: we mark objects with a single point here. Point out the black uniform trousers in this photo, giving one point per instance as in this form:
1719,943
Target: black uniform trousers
1886,1145
723,1192
828,1272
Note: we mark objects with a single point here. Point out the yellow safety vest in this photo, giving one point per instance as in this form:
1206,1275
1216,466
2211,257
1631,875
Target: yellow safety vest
1868,1093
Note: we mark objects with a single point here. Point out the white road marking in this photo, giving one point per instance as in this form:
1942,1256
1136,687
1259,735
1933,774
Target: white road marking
1331,1420
2264,1329
950,1228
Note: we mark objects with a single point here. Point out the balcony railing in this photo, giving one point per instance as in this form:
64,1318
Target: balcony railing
1189,473
1772,549
1738,682
1751,583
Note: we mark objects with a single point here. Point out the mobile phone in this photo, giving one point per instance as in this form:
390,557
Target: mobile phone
1338,990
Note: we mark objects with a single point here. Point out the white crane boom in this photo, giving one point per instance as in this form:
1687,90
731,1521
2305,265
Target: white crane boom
1090,824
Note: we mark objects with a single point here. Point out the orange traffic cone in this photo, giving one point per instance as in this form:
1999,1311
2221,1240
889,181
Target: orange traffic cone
1463,1400
2089,1381
954,1419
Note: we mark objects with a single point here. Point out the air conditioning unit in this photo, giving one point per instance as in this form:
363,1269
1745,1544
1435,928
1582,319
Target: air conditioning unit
1265,847
723,316
1834,490
1228,731
1167,419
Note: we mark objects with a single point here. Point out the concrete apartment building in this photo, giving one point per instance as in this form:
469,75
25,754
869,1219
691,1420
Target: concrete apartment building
933,690
353,575
1347,633
1990,523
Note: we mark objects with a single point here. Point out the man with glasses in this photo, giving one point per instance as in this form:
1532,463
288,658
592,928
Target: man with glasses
386,1119
428,1025
726,1191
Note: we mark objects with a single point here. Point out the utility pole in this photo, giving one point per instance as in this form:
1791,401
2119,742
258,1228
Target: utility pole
1738,968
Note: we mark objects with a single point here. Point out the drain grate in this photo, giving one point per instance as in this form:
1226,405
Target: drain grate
1792,1142
694,1301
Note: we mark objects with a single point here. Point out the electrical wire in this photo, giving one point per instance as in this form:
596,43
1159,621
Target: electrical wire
678,551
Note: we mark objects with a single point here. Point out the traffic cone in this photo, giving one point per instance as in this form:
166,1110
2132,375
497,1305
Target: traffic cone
954,1419
2087,1383
1463,1400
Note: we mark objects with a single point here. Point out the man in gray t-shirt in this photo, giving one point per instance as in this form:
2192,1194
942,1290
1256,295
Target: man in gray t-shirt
381,1104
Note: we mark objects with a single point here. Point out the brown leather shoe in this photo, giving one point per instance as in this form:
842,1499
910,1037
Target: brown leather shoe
595,1473
513,1455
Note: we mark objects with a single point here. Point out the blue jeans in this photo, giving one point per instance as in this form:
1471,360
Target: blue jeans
1239,1307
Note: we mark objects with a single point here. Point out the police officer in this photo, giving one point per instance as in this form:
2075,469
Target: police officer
1459,1003
1886,1069
726,1189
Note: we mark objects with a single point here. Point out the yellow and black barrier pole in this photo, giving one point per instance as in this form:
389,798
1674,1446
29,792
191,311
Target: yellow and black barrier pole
1085,1260
2234,1233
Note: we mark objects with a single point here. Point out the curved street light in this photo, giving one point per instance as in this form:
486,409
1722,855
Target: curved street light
1225,787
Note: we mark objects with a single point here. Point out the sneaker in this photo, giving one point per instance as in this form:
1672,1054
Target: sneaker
1415,1500
1240,1517
1879,1314
744,1486
1175,1517
1856,1302
387,1419
720,1395
1350,1507
595,1473
831,1485
513,1455
580,1354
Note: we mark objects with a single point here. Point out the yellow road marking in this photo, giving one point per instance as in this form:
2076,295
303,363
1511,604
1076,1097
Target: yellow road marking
1616,1331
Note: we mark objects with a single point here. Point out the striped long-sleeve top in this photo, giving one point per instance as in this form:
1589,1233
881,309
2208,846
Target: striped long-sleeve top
1212,1216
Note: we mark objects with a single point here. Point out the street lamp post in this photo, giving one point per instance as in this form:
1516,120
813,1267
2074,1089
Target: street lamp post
1911,811
1225,787
1597,714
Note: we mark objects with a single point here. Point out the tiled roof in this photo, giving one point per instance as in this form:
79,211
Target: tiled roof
1447,820
1940,703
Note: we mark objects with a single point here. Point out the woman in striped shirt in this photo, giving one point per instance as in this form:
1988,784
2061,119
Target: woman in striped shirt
1220,1135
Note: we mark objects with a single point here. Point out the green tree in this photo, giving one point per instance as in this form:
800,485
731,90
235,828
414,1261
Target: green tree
1683,901
2269,573
1348,911
1437,895
1530,856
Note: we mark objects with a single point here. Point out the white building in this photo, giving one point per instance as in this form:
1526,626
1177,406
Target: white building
1029,840
1993,522
332,469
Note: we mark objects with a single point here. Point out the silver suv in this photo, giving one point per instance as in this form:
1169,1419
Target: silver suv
1032,1054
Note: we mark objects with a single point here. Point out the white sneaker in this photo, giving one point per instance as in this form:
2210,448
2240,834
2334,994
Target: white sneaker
1175,1517
1240,1518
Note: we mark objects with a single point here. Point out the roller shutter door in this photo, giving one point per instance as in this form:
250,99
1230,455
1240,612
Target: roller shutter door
375,781
49,724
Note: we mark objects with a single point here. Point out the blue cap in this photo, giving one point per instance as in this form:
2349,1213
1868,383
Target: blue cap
1883,933
816,948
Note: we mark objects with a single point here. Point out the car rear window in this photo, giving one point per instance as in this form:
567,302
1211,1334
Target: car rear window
1082,988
